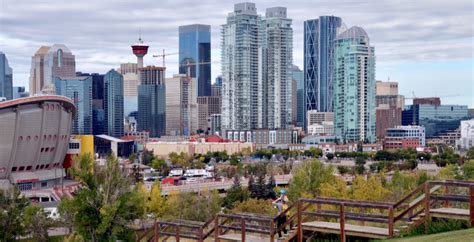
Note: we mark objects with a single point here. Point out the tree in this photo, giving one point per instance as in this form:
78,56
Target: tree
12,208
360,165
147,156
470,153
257,206
235,194
155,203
67,211
313,152
252,187
160,165
190,206
343,170
308,177
136,175
370,190
330,156
105,203
270,193
468,170
37,222
336,189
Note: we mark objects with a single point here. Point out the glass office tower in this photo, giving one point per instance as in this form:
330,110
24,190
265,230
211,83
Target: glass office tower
79,89
113,103
195,55
6,78
319,36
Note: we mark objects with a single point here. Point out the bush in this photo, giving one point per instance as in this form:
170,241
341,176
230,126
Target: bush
343,170
437,226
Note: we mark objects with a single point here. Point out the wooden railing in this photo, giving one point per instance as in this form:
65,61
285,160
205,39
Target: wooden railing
415,204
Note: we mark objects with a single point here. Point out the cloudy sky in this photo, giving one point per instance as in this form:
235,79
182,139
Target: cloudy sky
425,45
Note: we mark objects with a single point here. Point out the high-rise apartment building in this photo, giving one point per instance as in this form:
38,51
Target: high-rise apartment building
354,87
152,101
319,37
298,76
315,117
195,55
242,90
206,107
79,89
114,103
276,61
6,78
256,69
181,105
47,64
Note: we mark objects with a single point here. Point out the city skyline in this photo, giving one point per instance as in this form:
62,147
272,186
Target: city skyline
414,41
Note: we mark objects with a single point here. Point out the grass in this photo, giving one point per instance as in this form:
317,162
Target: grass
465,235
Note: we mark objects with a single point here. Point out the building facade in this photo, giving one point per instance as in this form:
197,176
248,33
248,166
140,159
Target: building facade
256,69
98,111
389,107
130,87
467,134
206,107
315,117
19,92
319,57
47,64
6,78
152,101
403,137
215,124
79,89
435,118
354,87
298,76
195,55
114,103
181,106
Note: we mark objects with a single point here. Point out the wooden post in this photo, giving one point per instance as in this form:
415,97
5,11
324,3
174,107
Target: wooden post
216,228
242,227
177,233
299,218
156,234
446,192
471,204
201,239
272,231
342,222
427,206
390,222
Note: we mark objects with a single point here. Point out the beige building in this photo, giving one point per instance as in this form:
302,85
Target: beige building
387,93
163,149
47,64
207,106
181,105
315,117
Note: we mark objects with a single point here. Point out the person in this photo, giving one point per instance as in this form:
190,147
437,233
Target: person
281,204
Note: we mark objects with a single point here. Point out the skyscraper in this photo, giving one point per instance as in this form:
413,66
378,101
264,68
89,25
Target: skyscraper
79,89
276,61
152,101
19,92
113,100
206,107
256,74
298,76
389,107
319,36
195,55
98,112
47,64
181,105
130,87
6,78
240,85
354,87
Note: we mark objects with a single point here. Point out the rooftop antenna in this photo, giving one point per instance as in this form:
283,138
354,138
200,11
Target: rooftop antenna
140,35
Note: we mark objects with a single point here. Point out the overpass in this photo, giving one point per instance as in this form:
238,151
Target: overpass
281,180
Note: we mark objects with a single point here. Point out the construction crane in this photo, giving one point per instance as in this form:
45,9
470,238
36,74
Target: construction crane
188,65
166,54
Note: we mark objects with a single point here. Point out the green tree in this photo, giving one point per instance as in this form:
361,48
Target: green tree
257,206
190,206
67,211
12,208
468,170
147,156
235,194
160,165
470,153
330,156
106,203
37,222
360,165
156,204
308,177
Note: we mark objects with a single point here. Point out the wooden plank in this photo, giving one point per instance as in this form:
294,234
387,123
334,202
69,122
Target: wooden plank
350,229
452,213
471,204
342,221
248,238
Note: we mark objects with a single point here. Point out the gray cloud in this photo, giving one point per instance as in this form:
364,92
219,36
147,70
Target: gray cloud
100,32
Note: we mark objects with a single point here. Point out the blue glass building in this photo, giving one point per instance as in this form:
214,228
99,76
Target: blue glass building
435,118
6,78
152,101
98,112
113,103
79,89
298,76
195,55
319,36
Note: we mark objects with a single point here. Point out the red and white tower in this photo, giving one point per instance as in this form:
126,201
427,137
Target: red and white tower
140,50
